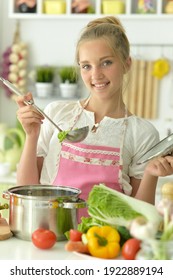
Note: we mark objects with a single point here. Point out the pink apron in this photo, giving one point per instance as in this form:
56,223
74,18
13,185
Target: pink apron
82,166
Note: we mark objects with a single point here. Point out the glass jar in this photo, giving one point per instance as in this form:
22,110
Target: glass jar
155,249
26,6
145,7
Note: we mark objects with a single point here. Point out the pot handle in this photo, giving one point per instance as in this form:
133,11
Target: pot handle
6,195
80,203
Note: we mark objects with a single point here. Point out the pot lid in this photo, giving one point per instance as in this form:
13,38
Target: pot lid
162,148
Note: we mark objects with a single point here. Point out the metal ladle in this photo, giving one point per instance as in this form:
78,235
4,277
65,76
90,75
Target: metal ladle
76,135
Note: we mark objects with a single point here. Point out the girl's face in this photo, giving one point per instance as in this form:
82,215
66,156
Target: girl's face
101,71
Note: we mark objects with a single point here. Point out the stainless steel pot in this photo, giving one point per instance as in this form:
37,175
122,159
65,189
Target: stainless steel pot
43,206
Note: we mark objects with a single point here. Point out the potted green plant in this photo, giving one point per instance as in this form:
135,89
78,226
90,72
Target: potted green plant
44,77
68,81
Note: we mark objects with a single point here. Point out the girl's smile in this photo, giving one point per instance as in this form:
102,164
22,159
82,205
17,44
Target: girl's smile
100,86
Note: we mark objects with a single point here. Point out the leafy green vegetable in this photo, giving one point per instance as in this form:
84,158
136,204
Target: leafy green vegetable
124,234
165,207
115,208
62,135
168,232
87,222
156,249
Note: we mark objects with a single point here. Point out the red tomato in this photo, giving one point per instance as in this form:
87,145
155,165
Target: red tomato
75,235
130,248
43,238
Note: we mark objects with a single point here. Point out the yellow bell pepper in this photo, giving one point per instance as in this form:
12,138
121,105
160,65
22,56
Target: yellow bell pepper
103,242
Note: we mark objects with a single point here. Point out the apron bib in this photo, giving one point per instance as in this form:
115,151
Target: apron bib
82,166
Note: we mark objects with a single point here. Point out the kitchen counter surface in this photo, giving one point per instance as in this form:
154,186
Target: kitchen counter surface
17,249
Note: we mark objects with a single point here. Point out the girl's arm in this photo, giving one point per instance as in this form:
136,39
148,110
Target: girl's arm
145,189
29,168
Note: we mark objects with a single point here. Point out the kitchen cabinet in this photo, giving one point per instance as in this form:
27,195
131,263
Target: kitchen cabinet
130,10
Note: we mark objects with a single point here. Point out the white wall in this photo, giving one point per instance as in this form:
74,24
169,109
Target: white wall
52,41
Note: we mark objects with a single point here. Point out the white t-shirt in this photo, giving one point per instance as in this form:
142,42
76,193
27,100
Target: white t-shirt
140,135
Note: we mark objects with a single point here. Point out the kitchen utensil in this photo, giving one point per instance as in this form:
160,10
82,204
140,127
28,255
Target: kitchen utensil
5,231
43,206
76,135
162,148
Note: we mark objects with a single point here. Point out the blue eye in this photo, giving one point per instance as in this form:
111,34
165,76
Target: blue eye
85,67
106,63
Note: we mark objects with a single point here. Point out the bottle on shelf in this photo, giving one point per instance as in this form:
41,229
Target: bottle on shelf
26,6
169,7
145,7
113,7
82,7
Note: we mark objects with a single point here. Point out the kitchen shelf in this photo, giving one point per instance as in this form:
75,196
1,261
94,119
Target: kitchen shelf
129,13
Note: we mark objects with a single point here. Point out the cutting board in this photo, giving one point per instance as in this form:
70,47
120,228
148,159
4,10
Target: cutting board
5,232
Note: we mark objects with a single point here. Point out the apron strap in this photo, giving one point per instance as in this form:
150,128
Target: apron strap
80,112
122,146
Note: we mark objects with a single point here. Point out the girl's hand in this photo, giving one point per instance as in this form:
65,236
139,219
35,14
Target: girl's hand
28,116
161,166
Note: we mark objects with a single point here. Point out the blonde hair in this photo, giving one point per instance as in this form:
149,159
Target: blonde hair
111,30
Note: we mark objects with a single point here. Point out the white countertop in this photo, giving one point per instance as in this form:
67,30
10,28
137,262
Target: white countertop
17,249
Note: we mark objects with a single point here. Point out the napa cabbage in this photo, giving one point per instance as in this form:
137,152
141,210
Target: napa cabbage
115,208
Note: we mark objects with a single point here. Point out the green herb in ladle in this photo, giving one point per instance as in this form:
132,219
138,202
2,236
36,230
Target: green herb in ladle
62,135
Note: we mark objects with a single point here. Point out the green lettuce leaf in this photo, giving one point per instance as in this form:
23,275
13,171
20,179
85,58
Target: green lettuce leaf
115,208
